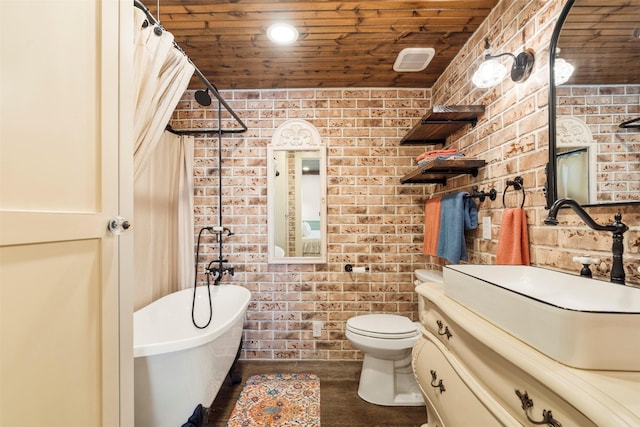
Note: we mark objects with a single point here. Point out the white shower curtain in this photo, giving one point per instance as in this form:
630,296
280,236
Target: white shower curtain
163,168
573,176
161,75
163,221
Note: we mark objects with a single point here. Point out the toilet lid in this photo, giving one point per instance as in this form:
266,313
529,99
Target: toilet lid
388,326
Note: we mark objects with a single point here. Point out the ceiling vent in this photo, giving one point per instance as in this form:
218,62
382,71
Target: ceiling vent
413,59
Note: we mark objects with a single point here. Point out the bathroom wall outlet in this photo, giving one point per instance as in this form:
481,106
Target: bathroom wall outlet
486,228
317,328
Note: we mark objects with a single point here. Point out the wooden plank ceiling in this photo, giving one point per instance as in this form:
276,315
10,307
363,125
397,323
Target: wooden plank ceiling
346,43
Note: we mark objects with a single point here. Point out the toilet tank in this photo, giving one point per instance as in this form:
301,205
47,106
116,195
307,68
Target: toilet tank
422,276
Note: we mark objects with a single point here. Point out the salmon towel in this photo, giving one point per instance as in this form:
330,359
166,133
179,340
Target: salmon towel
513,239
436,153
431,226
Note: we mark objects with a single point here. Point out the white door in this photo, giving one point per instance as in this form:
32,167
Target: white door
64,343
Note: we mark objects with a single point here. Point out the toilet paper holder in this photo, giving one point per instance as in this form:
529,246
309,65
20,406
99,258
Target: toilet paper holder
351,269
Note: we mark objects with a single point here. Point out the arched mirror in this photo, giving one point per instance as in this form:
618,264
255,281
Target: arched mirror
296,192
594,103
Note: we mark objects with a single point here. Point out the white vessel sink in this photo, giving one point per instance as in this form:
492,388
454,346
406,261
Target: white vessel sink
583,323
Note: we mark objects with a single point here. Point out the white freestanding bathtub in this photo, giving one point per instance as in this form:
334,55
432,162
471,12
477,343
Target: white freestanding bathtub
178,366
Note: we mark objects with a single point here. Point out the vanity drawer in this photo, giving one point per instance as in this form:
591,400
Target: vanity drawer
501,379
505,381
445,330
446,389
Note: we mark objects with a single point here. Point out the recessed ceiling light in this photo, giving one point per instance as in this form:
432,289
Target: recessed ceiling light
282,33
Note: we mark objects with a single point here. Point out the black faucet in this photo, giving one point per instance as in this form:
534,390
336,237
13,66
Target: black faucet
219,271
617,228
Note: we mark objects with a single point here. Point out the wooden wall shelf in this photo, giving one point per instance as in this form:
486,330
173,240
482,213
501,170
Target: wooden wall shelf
437,171
434,128
440,122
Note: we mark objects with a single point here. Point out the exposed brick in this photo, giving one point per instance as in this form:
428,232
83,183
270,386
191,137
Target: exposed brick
374,220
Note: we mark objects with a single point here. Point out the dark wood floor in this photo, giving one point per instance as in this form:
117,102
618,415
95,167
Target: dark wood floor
340,405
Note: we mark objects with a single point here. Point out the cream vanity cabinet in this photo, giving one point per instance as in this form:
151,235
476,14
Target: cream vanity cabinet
472,373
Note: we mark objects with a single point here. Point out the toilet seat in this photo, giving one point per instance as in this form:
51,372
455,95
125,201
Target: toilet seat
385,326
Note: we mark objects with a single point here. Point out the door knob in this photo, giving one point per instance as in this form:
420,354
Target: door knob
118,224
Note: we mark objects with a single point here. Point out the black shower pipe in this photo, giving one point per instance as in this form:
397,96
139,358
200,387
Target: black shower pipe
220,229
220,234
220,270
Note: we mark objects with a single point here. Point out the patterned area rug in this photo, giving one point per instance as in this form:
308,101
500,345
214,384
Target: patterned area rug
284,400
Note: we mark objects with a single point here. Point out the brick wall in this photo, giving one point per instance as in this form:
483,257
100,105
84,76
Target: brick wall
374,220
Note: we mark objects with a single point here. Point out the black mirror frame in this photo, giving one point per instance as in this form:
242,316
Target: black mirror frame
551,188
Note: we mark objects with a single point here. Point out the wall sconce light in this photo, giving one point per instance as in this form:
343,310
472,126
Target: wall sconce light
491,72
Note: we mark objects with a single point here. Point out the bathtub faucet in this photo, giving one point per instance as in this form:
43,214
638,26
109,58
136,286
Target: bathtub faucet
219,270
617,228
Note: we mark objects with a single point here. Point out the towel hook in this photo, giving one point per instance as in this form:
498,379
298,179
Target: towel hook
517,184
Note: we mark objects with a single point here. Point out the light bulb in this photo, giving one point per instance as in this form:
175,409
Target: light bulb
282,33
562,71
489,74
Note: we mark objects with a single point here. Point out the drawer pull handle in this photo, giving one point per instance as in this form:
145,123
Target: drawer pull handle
527,404
444,331
439,385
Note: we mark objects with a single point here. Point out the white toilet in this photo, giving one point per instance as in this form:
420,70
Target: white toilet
386,341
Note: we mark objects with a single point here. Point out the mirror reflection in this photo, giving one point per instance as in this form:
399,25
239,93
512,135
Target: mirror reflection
296,196
297,205
575,153
595,107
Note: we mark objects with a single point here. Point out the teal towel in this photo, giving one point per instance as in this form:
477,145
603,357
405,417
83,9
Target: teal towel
457,213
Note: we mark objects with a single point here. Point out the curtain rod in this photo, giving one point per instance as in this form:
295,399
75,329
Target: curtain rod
198,73
630,124
170,128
